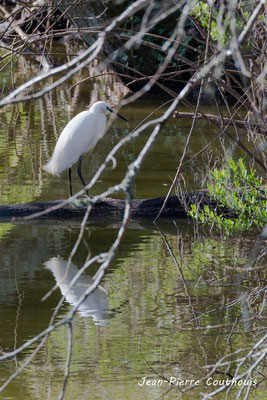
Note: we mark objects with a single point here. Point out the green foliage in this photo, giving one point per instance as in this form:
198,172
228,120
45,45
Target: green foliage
239,190
201,12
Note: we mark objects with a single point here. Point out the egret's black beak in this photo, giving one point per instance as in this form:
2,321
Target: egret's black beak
118,115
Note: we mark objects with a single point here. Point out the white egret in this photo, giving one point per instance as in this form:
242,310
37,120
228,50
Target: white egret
79,136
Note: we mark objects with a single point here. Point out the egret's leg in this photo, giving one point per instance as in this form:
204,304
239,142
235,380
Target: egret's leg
79,170
69,171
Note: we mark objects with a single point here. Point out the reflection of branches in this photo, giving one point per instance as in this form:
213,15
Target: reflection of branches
257,354
106,259
245,361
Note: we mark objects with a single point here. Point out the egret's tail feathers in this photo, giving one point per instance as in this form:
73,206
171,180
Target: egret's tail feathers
51,168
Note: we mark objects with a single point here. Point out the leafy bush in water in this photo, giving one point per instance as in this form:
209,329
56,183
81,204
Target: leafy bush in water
239,190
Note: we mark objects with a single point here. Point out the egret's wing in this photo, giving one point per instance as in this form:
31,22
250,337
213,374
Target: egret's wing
79,136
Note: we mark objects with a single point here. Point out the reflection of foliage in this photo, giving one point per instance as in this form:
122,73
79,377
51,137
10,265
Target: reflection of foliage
240,190
4,229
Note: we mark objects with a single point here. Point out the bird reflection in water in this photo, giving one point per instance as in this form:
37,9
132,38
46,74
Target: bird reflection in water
95,305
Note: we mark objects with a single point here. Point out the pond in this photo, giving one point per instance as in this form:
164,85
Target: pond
176,299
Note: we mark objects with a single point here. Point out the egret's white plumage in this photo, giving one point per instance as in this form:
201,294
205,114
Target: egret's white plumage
79,136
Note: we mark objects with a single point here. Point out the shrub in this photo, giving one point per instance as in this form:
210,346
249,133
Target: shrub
241,192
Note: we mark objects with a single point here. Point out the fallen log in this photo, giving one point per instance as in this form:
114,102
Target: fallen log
108,208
